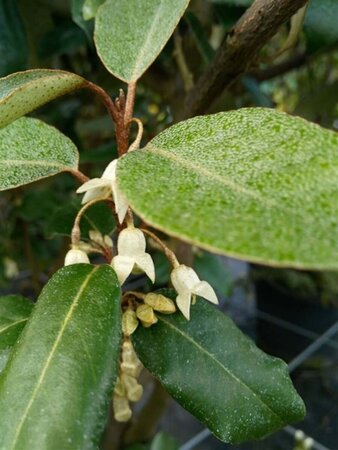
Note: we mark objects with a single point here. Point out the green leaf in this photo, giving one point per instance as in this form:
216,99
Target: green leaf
22,92
129,35
254,184
31,150
14,313
98,217
163,441
13,40
320,24
56,387
218,374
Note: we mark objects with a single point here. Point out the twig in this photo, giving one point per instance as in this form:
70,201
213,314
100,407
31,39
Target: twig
78,175
253,30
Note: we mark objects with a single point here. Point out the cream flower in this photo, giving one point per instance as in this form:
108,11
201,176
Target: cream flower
76,256
187,283
131,246
105,187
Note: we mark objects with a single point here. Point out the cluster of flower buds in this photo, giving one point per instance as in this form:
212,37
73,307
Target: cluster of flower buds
127,388
79,252
145,312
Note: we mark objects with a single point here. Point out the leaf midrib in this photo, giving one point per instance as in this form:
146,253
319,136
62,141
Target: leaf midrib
195,167
52,353
32,162
143,50
2,330
232,375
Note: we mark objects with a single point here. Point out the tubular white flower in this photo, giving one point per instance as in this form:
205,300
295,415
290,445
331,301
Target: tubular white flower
76,256
186,282
131,246
105,187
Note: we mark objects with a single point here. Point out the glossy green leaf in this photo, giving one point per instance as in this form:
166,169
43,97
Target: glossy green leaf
255,184
13,39
98,217
129,35
56,387
22,92
218,374
14,313
320,23
31,150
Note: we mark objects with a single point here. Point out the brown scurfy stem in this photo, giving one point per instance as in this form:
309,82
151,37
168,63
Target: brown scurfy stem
168,253
78,175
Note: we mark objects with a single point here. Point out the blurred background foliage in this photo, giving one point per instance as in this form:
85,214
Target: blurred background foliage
35,220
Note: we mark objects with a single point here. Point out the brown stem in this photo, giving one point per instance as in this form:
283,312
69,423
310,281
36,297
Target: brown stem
106,99
78,175
129,110
241,47
168,253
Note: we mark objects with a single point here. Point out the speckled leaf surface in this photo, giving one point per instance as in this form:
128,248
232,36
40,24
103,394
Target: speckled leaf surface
56,387
30,150
14,313
129,35
254,184
22,92
218,374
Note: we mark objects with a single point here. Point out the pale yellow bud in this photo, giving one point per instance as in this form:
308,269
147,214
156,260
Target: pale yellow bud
160,303
119,388
96,237
121,408
130,362
107,240
134,390
146,314
129,322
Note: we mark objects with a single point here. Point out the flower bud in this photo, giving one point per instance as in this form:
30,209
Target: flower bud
119,388
146,314
76,256
96,237
160,303
129,322
134,390
122,411
130,362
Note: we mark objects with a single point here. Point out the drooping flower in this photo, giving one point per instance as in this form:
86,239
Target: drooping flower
76,256
104,187
131,246
186,282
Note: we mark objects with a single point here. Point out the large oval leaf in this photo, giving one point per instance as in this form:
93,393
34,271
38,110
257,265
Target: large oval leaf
254,184
55,389
22,92
218,374
14,313
30,150
130,34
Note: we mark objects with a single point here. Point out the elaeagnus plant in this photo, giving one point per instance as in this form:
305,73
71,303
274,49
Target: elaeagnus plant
254,184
